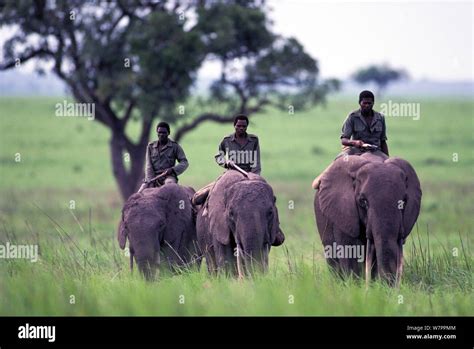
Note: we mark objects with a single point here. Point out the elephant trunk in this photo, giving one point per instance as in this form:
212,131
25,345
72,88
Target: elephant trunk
252,255
253,260
387,252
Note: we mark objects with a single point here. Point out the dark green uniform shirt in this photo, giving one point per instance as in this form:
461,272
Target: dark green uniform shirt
166,157
247,157
356,127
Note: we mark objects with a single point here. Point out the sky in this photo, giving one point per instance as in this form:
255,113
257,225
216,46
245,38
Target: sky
431,40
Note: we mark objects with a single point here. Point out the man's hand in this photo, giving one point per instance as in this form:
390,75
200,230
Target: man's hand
229,164
358,143
168,172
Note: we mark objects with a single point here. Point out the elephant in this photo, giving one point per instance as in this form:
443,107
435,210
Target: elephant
238,224
372,202
160,225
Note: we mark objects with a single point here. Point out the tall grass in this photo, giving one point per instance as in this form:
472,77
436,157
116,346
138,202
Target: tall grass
90,276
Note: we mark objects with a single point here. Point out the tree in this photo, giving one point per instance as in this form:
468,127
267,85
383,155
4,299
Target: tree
381,75
138,60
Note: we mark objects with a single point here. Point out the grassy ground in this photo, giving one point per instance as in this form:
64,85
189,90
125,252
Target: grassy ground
81,271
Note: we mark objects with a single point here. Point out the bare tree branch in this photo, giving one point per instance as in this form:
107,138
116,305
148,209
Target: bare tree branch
24,58
200,119
128,113
216,118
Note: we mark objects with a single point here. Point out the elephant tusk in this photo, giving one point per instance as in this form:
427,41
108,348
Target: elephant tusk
368,262
398,278
239,264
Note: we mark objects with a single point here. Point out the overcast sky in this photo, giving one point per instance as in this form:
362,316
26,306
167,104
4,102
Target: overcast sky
431,40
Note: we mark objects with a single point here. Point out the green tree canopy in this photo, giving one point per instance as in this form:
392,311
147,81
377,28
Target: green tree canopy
381,75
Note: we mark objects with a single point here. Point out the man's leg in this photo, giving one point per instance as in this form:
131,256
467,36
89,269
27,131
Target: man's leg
200,196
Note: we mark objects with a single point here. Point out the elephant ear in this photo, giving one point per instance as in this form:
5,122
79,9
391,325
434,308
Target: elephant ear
412,205
276,234
122,234
336,194
219,221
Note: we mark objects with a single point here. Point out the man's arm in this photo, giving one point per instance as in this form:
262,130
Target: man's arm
258,168
352,143
384,147
383,143
149,171
182,161
220,156
346,134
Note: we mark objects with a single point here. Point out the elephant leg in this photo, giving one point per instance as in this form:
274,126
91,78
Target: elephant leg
172,258
326,234
193,254
211,261
225,259
352,251
207,251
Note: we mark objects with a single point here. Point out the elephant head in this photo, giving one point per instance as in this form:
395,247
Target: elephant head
252,221
377,201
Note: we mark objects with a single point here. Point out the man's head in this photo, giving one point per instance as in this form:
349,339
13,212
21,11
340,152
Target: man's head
366,102
163,130
241,122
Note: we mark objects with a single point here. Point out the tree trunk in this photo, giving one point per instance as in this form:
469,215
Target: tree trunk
122,151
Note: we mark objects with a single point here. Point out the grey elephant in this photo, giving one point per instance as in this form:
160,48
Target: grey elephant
367,203
238,225
159,224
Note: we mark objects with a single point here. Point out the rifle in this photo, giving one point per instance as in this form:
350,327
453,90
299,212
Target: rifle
370,147
148,182
237,168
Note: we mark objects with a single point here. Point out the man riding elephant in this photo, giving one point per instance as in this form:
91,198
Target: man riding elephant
242,149
363,130
238,150
363,127
161,157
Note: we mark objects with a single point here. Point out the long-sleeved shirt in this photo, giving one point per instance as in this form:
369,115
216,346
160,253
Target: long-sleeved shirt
159,160
245,156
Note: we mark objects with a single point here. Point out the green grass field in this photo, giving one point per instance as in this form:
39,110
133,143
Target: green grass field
82,271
